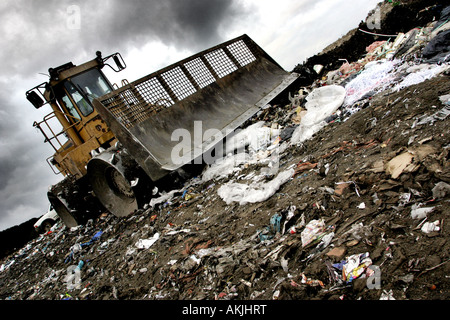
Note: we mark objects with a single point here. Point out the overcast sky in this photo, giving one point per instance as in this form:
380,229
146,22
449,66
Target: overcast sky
36,35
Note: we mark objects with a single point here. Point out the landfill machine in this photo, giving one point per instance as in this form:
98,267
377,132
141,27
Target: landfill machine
112,145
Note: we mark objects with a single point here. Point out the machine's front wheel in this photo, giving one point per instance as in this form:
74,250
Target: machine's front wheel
111,187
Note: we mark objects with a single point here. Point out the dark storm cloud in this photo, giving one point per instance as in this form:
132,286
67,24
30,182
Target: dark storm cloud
182,23
6,168
24,174
187,25
42,28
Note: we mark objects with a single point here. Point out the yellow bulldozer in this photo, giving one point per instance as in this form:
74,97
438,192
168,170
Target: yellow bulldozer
114,144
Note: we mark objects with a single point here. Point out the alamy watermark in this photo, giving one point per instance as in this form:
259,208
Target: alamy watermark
374,277
213,144
187,141
374,19
73,18
73,277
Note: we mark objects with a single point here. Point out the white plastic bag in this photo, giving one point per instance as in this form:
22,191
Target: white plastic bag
420,213
147,243
321,103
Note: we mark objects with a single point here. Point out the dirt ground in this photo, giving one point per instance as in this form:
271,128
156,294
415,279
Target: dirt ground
207,249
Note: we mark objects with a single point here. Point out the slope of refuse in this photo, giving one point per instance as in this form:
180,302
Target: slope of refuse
341,194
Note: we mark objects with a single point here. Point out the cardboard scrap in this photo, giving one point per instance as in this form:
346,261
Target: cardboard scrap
409,161
337,252
399,164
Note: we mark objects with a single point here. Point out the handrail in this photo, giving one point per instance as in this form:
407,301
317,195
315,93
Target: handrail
52,137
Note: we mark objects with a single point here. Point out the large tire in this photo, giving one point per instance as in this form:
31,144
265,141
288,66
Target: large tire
111,186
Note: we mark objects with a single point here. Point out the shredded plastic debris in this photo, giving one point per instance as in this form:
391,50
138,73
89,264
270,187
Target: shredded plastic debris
255,192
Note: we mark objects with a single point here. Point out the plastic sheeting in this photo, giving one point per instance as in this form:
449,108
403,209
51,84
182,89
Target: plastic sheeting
225,166
256,137
147,243
163,198
321,103
255,192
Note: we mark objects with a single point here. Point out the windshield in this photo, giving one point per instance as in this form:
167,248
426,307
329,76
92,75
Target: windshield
90,84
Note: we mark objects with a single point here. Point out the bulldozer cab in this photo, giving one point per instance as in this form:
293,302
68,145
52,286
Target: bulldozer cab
76,96
74,128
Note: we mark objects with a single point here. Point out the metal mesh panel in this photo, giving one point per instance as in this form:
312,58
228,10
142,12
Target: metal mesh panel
152,91
241,52
138,101
179,83
220,63
117,106
199,72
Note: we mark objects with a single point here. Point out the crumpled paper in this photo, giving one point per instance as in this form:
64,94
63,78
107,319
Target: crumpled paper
353,266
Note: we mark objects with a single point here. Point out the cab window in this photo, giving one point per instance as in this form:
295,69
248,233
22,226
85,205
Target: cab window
71,108
84,106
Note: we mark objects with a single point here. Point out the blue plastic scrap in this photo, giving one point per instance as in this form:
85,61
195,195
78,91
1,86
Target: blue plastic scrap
93,239
270,231
275,223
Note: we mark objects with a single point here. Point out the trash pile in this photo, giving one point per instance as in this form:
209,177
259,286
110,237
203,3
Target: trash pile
341,194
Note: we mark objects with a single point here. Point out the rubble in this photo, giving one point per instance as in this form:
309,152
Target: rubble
354,209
